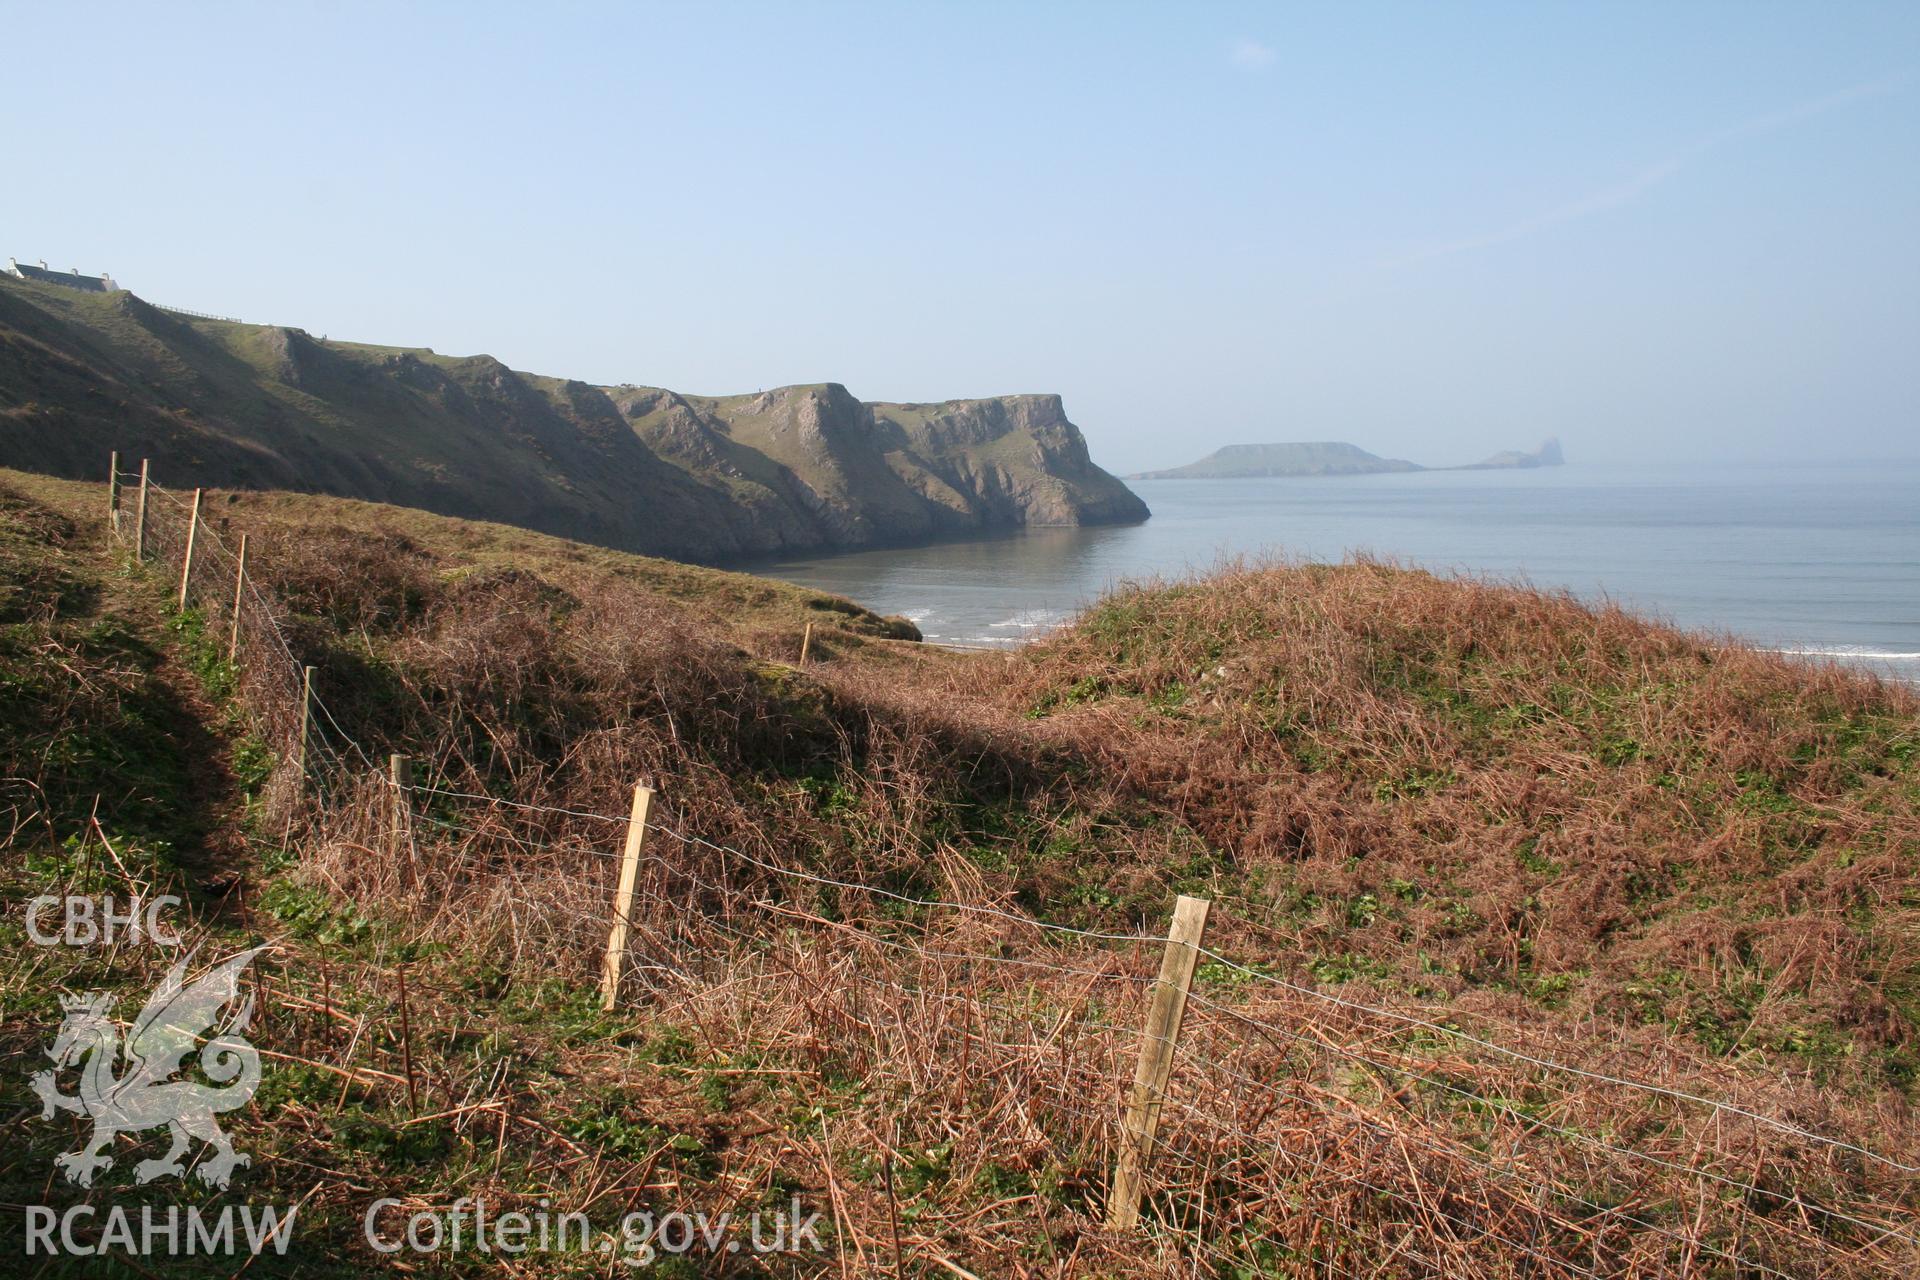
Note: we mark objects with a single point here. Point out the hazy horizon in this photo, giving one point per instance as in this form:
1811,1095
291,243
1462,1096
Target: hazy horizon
1434,232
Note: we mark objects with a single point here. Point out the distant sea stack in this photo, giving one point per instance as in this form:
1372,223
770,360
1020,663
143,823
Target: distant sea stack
705,478
1332,458
1547,455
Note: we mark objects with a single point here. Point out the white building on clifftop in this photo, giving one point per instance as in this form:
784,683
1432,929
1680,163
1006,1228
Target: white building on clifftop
42,274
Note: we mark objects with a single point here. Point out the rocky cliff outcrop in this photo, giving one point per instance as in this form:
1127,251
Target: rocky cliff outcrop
639,468
1018,457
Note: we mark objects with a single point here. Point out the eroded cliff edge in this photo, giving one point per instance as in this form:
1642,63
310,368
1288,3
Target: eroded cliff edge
639,468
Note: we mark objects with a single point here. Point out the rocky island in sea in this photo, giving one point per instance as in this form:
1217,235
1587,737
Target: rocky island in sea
1334,458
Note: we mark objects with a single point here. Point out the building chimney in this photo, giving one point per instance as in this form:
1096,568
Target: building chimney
43,264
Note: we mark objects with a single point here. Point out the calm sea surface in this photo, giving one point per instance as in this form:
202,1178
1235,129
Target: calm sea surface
1824,560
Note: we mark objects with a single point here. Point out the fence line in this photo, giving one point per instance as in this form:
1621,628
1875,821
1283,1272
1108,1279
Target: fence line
251,612
1575,1135
925,951
198,315
1452,1150
1237,967
1548,1064
1456,1150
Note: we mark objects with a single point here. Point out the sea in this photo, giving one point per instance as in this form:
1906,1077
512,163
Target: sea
1821,561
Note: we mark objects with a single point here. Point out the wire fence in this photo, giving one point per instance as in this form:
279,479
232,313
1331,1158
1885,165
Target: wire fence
198,315
1301,1128
1546,1147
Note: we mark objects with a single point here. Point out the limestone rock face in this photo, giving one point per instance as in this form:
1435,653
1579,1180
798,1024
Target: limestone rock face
639,468
1019,458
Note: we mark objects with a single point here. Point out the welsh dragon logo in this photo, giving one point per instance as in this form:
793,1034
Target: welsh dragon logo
179,1019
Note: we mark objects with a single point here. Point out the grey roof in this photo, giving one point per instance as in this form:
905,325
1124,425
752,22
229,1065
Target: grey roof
71,279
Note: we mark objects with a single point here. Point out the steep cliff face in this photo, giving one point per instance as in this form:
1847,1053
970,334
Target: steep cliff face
854,474
639,468
1017,458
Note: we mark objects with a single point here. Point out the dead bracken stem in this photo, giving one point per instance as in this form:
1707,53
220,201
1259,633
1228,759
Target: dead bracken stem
406,1044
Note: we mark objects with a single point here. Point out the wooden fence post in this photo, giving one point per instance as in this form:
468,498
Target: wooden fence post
140,517
1169,1004
239,587
113,492
306,723
400,825
186,561
616,962
806,643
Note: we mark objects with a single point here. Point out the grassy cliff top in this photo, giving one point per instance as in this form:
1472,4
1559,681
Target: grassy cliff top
316,530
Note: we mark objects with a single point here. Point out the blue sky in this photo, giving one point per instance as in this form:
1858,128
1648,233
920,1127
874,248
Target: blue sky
1680,230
